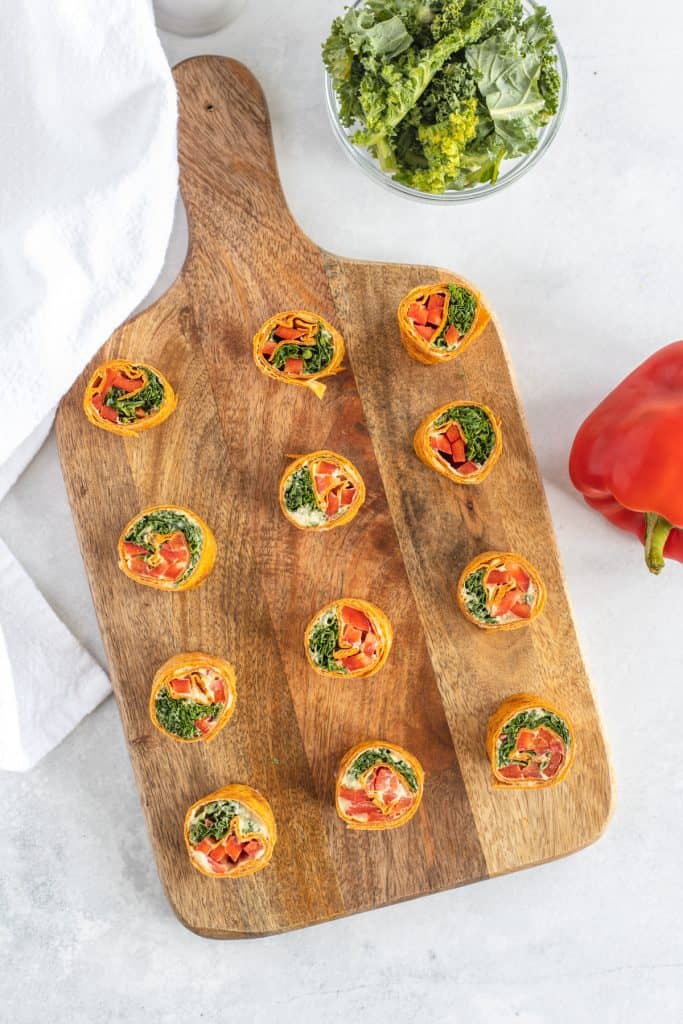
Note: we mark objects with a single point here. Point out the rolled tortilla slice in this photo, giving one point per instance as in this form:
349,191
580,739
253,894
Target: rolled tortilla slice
320,491
299,347
460,440
438,321
500,590
230,833
168,547
349,638
530,743
193,697
379,786
126,398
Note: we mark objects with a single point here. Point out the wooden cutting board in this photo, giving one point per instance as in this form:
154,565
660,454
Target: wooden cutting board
222,453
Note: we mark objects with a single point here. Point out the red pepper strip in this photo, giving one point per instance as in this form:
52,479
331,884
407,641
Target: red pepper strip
626,458
418,313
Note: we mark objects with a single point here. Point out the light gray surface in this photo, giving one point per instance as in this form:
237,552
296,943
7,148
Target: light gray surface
581,261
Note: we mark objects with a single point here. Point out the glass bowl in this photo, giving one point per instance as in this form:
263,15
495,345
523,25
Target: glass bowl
510,170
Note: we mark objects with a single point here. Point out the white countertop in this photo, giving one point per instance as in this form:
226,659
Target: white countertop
582,262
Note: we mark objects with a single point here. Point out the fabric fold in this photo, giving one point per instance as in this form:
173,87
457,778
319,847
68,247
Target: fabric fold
88,118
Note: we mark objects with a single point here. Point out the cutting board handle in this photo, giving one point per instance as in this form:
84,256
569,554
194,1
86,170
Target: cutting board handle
226,155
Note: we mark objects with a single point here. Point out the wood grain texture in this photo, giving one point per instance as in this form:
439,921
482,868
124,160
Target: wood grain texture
222,453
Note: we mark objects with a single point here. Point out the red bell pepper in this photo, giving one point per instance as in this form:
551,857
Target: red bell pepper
627,458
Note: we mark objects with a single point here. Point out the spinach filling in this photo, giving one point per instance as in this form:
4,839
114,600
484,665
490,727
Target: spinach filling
316,357
533,718
462,308
299,492
475,596
180,716
214,820
383,755
166,521
148,399
479,434
324,641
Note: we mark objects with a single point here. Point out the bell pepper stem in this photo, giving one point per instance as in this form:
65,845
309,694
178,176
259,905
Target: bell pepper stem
657,530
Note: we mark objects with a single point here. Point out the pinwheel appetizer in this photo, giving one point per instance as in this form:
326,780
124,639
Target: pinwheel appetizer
530,744
438,321
500,590
460,440
126,398
230,832
379,785
299,348
348,637
167,547
193,697
320,491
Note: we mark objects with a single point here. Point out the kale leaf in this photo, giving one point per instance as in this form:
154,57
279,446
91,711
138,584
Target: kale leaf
475,596
479,434
214,820
549,83
442,91
316,357
453,84
324,641
378,755
180,716
346,71
462,308
299,491
516,73
148,399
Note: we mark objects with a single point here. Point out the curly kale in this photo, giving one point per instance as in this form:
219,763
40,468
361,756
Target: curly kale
299,493
453,84
480,437
148,399
346,71
442,91
462,308
180,716
442,144
549,84
324,641
448,19
475,596
416,15
214,821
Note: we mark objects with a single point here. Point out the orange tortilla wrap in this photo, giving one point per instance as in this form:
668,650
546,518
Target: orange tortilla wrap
443,446
124,397
230,820
508,594
530,744
299,347
420,338
333,485
201,680
363,639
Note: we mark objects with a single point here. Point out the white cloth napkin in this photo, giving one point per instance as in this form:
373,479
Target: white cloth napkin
89,177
